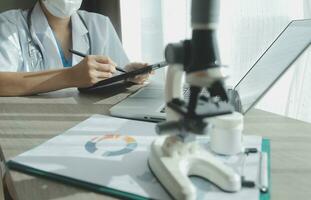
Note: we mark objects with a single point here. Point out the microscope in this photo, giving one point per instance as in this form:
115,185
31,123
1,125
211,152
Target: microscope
175,154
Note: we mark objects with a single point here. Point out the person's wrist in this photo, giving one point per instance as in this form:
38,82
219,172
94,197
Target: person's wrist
70,77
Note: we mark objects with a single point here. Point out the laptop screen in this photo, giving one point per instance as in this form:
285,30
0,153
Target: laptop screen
283,52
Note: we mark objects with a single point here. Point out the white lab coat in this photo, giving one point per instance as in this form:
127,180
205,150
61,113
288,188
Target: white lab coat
14,40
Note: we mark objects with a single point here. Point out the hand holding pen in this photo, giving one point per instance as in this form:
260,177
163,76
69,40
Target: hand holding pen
139,79
90,71
84,55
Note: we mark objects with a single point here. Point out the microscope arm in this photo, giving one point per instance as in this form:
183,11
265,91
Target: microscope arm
174,89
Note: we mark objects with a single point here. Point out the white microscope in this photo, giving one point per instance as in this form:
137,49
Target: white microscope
175,155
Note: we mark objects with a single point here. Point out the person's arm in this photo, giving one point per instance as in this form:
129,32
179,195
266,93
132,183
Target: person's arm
88,72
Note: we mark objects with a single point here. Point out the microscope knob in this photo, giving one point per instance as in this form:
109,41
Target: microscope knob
174,53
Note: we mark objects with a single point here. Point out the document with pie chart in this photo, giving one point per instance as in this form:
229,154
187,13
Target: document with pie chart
109,155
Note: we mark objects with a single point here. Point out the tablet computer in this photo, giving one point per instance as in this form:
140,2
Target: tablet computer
123,77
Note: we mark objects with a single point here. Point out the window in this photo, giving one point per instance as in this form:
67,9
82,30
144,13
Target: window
246,29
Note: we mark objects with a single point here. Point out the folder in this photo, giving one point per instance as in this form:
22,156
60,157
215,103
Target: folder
27,162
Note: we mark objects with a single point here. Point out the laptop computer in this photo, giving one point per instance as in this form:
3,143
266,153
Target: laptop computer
148,102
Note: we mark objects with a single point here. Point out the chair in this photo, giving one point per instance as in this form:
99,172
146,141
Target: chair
7,190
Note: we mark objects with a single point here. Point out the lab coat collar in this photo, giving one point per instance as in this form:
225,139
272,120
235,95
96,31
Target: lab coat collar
38,20
80,38
46,37
77,25
41,24
80,41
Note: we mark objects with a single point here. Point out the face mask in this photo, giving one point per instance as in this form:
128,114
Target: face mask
62,8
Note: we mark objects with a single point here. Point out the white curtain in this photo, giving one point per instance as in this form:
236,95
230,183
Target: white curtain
247,28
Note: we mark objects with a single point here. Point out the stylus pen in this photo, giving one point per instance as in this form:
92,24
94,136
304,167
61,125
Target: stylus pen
263,176
84,55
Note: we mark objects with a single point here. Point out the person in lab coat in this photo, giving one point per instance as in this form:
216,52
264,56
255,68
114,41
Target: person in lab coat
35,43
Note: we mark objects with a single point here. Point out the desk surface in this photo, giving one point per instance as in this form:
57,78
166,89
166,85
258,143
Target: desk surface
26,122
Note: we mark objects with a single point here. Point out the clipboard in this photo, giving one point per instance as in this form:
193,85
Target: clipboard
123,77
113,192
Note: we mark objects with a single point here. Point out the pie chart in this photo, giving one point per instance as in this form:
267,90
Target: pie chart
94,144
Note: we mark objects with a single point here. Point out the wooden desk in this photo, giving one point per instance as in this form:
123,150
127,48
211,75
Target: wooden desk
26,122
